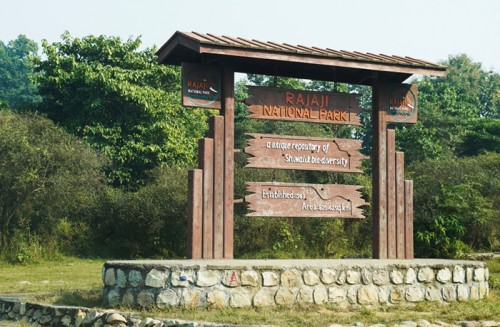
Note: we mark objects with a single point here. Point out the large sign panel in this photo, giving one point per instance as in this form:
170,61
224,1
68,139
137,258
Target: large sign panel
304,200
201,86
402,103
304,153
306,106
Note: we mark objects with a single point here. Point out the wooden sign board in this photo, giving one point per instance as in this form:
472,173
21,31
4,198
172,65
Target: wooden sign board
304,200
402,103
201,86
306,106
304,153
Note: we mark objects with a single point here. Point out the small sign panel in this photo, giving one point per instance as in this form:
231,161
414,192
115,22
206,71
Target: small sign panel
304,200
201,86
402,104
304,153
306,106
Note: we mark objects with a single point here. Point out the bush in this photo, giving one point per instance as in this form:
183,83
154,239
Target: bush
150,222
45,175
456,204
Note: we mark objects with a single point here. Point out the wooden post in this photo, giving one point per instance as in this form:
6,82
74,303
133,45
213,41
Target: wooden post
195,213
400,204
391,194
205,161
217,129
228,112
379,174
409,219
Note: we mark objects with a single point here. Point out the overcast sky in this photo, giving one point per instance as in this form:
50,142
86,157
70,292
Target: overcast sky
425,29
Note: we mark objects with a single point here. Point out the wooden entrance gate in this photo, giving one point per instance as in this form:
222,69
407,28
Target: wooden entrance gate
212,61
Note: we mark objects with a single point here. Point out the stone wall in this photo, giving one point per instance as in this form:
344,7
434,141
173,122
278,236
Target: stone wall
50,315
259,283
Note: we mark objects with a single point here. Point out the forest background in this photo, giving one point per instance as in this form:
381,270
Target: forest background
95,148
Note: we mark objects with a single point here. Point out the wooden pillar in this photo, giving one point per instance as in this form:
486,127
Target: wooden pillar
217,133
205,162
391,194
195,213
400,204
409,219
228,112
379,173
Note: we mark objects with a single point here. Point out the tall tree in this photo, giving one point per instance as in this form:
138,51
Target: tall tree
453,154
454,110
16,68
120,101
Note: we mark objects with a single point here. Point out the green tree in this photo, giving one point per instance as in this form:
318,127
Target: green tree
16,68
121,102
457,114
456,204
452,153
46,175
482,136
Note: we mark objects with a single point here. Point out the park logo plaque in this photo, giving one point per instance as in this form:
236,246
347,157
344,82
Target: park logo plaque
201,86
402,103
305,106
276,199
304,153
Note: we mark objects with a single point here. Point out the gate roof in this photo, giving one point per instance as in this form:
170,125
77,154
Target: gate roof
271,58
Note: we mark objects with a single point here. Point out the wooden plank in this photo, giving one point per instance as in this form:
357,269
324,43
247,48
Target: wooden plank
400,204
394,60
276,199
408,60
195,213
379,175
201,86
205,161
332,61
409,219
175,48
228,112
306,106
402,103
238,41
208,37
391,194
304,153
218,135
220,38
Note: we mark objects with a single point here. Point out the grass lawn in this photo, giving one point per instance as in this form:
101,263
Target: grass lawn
78,282
69,279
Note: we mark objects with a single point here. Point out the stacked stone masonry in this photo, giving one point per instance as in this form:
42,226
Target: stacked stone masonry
35,314
261,283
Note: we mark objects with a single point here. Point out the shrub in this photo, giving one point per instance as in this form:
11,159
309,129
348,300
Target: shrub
456,204
150,222
45,175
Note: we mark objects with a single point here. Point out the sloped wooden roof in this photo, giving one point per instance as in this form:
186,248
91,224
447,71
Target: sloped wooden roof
271,58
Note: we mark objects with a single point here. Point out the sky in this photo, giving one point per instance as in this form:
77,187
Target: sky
425,29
